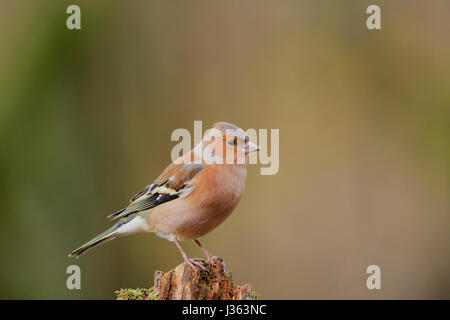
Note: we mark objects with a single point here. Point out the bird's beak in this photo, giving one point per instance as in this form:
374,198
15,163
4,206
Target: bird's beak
251,147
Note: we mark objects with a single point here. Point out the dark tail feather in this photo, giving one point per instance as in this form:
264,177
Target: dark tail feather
115,214
106,236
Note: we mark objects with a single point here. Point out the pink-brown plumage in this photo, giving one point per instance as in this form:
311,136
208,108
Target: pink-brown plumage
217,191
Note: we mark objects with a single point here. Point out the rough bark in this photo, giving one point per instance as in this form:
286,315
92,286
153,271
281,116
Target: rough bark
185,283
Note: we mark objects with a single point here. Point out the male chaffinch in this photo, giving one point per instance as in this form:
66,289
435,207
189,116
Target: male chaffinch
192,196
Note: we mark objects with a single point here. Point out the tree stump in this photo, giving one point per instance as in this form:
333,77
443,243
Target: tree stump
185,283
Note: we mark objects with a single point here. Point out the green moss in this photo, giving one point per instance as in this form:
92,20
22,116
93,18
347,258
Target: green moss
252,296
136,294
204,274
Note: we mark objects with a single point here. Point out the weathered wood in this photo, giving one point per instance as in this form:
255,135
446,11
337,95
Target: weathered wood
185,283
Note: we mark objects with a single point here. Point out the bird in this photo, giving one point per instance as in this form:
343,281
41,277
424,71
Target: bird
191,197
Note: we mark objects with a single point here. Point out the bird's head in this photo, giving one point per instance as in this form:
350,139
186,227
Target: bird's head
230,143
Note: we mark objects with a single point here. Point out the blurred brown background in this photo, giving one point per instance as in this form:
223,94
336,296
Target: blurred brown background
86,118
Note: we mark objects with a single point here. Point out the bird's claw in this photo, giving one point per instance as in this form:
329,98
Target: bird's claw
193,262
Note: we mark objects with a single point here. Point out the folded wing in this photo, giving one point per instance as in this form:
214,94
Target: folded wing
173,183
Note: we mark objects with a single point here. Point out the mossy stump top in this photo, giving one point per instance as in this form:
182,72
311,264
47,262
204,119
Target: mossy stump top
184,283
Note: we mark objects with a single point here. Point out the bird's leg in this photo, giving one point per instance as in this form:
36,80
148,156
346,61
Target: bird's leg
206,252
189,261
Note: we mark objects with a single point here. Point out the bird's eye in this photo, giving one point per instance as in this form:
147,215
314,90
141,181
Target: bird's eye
246,139
232,142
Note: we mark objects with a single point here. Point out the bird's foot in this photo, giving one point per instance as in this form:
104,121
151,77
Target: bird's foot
193,262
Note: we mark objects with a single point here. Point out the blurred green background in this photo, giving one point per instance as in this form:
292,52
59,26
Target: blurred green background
86,118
